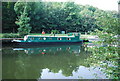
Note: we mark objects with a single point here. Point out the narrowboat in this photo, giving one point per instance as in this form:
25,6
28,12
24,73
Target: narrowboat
73,38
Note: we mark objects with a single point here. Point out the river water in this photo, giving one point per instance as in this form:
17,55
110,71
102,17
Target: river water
48,62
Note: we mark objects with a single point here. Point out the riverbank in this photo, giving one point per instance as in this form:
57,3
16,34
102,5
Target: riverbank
6,35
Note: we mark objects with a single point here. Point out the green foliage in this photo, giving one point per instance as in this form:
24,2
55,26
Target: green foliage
23,22
107,56
55,31
66,16
19,7
24,25
8,17
109,24
11,35
62,16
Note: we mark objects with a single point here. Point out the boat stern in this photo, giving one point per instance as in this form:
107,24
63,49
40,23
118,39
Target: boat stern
17,40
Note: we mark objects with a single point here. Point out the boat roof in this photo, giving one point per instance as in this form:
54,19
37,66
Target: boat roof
46,36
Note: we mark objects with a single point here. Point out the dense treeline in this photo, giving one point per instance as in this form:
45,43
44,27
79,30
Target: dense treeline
63,16
8,18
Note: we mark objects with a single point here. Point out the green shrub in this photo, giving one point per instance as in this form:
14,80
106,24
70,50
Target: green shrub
55,31
10,36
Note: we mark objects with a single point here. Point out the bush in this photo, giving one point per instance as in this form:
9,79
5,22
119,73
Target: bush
10,36
55,31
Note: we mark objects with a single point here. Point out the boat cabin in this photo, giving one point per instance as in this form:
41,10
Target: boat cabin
37,38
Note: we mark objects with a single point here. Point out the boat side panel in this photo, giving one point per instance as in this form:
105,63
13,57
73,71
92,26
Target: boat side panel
24,44
52,39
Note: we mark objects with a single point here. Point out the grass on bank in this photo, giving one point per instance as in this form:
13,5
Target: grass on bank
16,35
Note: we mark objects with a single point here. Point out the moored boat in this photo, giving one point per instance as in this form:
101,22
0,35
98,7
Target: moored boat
73,38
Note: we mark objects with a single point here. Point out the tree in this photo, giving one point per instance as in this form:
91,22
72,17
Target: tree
62,16
23,22
8,17
107,56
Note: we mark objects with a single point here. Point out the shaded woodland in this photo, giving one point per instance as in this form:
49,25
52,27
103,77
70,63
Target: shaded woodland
33,17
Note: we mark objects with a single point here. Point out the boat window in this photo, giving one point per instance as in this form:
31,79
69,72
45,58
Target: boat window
68,38
59,38
40,38
32,38
44,38
76,34
50,38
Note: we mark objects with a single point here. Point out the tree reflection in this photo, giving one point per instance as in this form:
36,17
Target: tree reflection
20,64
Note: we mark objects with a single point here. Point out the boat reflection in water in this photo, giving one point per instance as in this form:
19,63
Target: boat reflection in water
51,49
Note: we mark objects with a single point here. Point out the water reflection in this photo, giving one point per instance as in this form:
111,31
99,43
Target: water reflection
82,73
51,49
45,62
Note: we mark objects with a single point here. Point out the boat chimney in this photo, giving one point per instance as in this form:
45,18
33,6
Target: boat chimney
77,35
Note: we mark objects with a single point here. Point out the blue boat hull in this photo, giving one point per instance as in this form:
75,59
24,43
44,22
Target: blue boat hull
28,44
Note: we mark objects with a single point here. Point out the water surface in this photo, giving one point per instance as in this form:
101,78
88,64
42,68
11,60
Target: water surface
48,62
